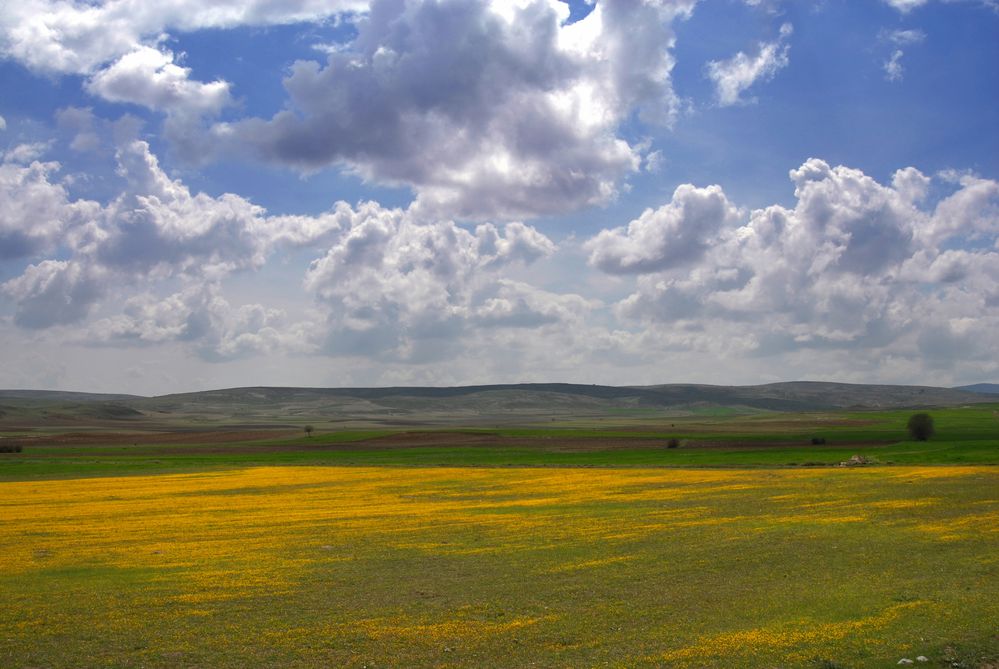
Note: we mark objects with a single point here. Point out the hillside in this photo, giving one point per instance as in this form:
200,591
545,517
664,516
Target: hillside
465,405
982,388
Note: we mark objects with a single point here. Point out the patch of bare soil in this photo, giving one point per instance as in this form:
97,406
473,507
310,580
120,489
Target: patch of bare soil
466,439
792,425
418,439
565,444
149,438
261,441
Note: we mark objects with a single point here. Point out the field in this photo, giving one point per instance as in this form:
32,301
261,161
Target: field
577,544
965,435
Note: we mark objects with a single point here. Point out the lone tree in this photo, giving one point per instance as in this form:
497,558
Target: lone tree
308,430
920,426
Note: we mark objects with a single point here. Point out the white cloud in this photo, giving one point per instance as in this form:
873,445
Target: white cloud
734,76
53,292
911,184
904,37
893,66
26,153
971,213
3,123
155,229
396,287
201,318
392,282
36,213
519,305
158,227
653,162
676,234
905,6
150,77
80,37
485,109
894,70
854,266
116,43
885,279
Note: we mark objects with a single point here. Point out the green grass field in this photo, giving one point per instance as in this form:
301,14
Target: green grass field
562,546
412,567
964,436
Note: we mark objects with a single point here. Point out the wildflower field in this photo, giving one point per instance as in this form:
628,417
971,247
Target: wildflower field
392,566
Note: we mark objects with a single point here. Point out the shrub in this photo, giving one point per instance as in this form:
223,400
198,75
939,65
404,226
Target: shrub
818,441
672,442
920,426
308,430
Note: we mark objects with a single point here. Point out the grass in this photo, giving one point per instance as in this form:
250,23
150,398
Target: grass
564,545
78,462
377,566
959,442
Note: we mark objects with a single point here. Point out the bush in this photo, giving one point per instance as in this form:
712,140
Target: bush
920,426
10,448
672,442
818,441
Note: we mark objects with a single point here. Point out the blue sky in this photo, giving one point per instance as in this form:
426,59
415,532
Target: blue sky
414,192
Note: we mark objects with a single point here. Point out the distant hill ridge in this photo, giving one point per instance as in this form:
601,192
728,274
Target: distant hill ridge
785,396
983,388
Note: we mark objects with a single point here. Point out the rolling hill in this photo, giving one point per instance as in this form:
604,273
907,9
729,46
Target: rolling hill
463,405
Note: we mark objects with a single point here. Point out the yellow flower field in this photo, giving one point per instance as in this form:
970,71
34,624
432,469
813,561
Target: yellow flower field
352,566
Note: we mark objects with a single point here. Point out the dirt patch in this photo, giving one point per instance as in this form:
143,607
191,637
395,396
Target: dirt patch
573,444
149,438
261,441
429,439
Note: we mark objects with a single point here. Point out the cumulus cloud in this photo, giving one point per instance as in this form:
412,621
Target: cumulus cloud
25,153
970,213
396,287
35,211
116,43
53,292
203,319
150,77
486,109
734,76
678,233
78,38
514,304
855,266
158,227
391,283
155,229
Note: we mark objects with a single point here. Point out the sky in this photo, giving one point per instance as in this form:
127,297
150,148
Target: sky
447,192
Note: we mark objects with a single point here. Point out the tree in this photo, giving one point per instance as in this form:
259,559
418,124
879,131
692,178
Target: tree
920,426
308,430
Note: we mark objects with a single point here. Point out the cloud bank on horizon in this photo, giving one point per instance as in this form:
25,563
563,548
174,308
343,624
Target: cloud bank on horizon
462,191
